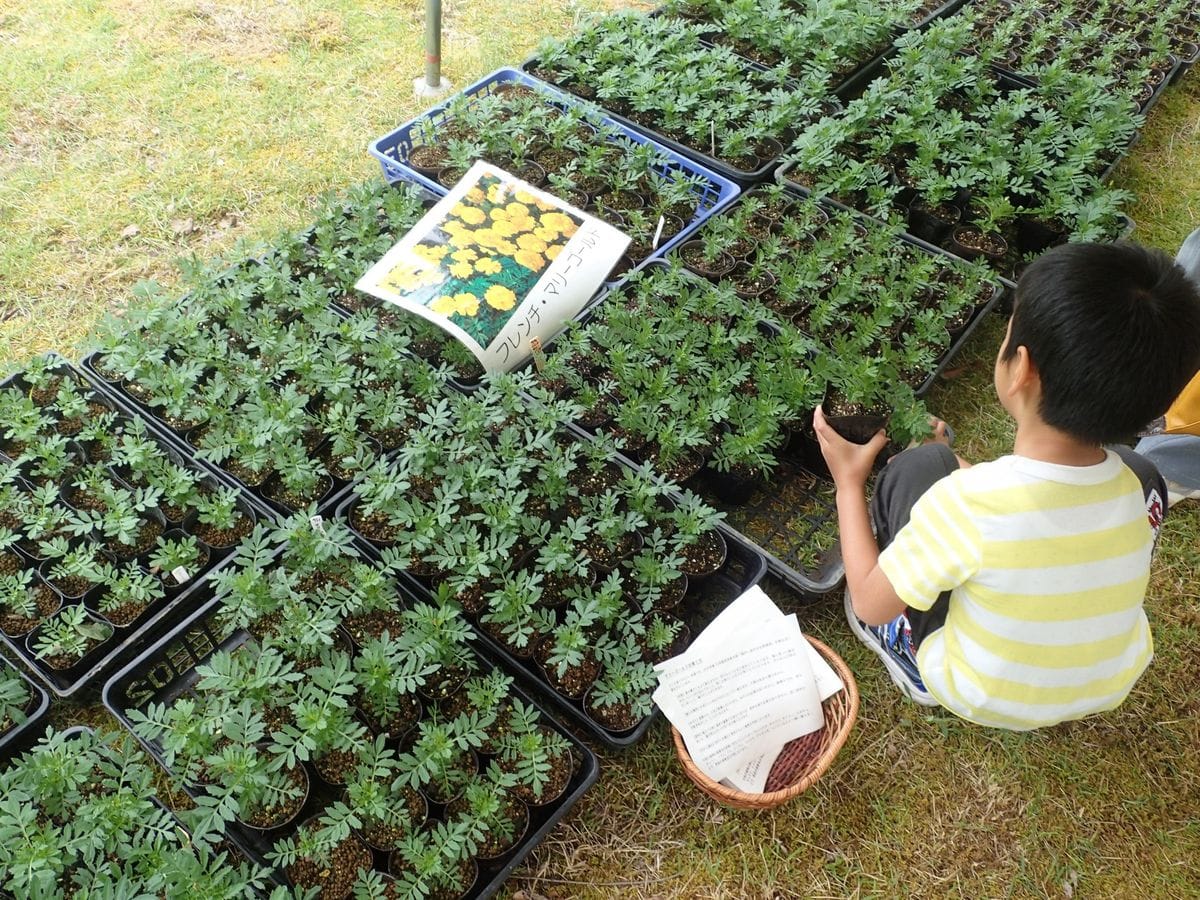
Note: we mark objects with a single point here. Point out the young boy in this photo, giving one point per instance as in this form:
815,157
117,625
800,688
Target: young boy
1011,592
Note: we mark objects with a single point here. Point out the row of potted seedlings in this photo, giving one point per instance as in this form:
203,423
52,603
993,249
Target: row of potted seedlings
989,170
853,285
838,36
1151,22
80,818
259,371
350,735
101,525
659,74
576,568
1023,41
21,705
571,151
717,382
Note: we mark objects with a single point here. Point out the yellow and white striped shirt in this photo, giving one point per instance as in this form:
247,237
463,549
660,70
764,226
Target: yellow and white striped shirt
1047,567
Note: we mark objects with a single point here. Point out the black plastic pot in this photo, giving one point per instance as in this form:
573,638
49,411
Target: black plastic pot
956,246
165,671
932,223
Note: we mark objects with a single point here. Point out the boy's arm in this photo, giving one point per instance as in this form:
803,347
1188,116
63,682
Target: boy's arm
875,600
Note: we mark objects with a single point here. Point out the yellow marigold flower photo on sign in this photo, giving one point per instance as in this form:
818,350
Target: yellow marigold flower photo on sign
473,215
530,260
466,304
531,242
560,222
500,297
484,256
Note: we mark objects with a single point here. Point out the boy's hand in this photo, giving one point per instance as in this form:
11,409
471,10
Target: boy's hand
849,463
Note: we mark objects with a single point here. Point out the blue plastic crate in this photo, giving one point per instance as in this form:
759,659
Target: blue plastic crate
393,149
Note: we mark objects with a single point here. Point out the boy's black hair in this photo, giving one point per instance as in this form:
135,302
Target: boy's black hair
1114,332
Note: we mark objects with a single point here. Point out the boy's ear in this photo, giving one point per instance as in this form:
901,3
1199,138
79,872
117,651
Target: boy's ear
1023,373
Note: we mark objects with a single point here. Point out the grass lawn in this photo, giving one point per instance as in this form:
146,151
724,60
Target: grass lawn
133,132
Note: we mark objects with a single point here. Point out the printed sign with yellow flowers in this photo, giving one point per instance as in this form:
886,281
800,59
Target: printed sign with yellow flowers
498,263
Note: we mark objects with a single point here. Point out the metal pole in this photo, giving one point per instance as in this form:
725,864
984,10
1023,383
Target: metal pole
433,44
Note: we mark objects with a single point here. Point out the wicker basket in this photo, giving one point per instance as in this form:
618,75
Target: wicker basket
802,761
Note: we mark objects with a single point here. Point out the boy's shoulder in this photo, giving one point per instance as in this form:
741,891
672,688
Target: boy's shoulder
989,482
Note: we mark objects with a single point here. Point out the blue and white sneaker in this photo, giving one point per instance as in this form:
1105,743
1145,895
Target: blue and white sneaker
892,643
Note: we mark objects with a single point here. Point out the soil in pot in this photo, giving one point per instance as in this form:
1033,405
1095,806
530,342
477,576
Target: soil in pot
48,603
461,886
397,724
680,469
575,680
561,769
336,766
855,422
367,626
428,159
604,558
682,639
749,284
495,844
970,242
705,556
384,837
334,878
452,778
450,176
124,615
670,595
100,633
281,812
617,717
278,491
693,256
222,538
443,683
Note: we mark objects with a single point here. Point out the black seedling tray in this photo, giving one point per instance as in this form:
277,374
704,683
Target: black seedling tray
782,519
167,671
739,177
21,737
160,616
744,567
262,504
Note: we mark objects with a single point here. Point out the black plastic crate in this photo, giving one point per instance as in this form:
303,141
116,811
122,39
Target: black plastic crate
124,640
166,671
744,567
262,504
21,737
737,177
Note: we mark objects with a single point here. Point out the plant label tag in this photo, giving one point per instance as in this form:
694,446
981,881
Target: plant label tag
180,574
535,349
712,137
662,221
317,523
